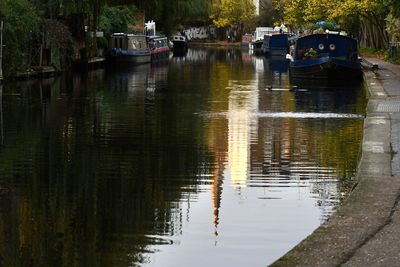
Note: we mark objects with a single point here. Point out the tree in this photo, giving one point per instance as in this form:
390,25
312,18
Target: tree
371,14
115,19
364,19
393,20
292,11
231,12
170,14
21,24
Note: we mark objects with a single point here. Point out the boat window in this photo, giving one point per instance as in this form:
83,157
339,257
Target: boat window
321,46
332,47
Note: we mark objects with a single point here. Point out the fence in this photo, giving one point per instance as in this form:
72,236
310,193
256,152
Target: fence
393,47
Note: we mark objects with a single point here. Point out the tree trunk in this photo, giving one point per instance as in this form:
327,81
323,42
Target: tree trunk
373,34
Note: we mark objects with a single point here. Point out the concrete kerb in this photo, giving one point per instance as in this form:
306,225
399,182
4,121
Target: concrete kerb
370,205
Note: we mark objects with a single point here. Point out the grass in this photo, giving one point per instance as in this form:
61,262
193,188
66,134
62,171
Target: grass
382,54
371,52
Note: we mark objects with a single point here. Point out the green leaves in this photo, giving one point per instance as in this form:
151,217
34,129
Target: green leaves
115,19
21,24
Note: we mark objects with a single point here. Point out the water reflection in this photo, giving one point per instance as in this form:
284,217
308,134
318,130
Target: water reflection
159,165
243,102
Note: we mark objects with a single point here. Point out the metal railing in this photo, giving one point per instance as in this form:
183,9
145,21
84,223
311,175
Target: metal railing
395,44
393,48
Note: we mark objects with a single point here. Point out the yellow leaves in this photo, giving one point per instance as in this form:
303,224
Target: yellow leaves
228,12
357,8
300,12
221,22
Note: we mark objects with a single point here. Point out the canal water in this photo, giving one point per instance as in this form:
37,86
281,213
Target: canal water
211,159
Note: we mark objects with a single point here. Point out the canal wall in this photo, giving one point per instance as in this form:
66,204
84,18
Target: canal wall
364,230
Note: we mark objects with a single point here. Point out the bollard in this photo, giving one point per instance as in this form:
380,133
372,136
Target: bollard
392,51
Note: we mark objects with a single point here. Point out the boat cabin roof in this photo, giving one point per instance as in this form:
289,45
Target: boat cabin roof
333,45
260,32
157,41
121,34
156,38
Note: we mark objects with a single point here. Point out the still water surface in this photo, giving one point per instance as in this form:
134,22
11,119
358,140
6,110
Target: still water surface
207,160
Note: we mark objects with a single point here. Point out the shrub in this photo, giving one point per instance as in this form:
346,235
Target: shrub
102,42
21,25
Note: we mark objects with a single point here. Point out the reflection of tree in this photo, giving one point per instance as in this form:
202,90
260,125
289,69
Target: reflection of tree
93,172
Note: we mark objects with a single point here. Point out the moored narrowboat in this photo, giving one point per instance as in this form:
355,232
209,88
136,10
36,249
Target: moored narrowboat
159,48
278,44
128,48
179,44
258,38
325,56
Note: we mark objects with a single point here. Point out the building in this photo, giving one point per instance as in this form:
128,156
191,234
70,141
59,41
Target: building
257,5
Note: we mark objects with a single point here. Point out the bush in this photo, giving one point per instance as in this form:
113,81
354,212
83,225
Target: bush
21,25
115,19
102,42
369,51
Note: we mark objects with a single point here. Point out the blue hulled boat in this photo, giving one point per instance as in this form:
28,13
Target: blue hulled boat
278,45
325,56
128,48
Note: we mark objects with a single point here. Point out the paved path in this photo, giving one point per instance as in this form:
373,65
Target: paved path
365,231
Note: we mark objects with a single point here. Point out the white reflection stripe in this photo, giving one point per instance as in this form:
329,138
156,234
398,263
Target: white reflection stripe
308,115
298,115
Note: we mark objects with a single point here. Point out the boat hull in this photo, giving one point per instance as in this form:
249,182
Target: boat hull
277,52
129,57
325,68
257,46
160,53
159,49
179,47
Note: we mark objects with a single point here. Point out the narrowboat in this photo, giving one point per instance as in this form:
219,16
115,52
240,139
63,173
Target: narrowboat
325,56
128,48
158,46
258,38
278,44
179,44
